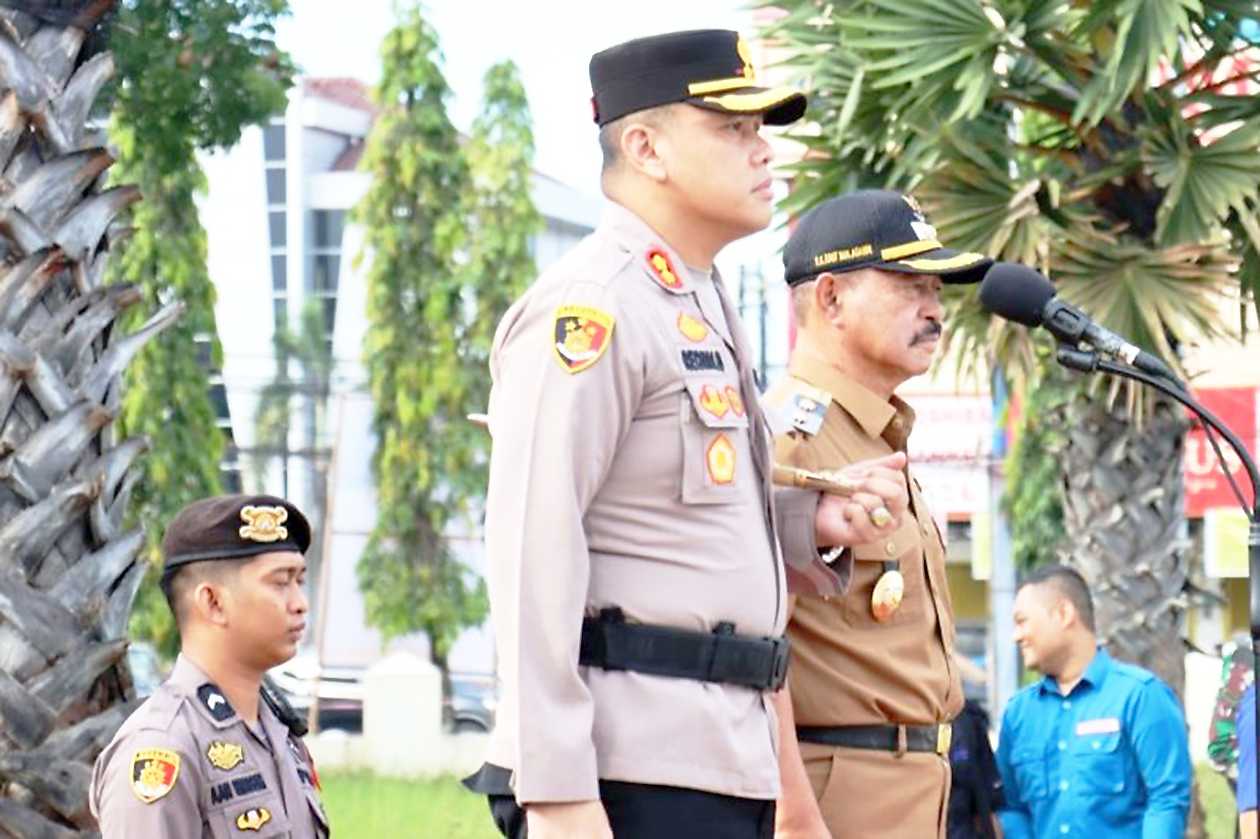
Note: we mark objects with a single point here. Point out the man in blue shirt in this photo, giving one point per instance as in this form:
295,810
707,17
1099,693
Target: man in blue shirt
1246,731
1095,748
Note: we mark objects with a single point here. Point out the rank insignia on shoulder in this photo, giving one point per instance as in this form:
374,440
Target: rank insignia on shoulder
215,702
692,329
264,524
225,756
582,335
153,773
809,408
253,819
663,270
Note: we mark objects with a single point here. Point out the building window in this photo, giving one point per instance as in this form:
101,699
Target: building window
276,224
326,267
273,142
276,185
328,226
279,273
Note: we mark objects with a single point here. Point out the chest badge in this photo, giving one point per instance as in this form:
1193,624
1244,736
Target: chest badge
663,270
691,328
890,588
153,773
809,408
582,335
713,401
253,819
719,458
225,756
736,401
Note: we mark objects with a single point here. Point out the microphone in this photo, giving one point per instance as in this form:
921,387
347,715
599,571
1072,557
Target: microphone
1019,293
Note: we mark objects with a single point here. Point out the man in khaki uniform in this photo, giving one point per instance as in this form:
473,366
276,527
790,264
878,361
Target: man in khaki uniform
208,755
873,685
633,537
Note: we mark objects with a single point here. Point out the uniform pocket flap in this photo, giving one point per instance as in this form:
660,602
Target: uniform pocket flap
894,546
718,404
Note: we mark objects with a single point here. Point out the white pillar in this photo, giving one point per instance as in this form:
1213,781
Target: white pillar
402,715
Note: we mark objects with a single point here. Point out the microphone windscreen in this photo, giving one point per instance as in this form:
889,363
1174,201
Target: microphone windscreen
1015,292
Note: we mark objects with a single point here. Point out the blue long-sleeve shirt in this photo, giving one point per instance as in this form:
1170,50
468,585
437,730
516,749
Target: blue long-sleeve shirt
1109,759
1245,721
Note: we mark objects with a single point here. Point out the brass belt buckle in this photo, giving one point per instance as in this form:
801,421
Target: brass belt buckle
944,736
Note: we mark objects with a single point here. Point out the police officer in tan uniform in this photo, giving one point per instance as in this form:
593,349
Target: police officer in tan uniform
208,754
634,540
873,685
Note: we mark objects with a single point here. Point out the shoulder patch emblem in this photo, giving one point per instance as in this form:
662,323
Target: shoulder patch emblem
582,335
720,460
253,819
224,755
691,328
663,270
153,773
735,400
809,408
215,702
264,524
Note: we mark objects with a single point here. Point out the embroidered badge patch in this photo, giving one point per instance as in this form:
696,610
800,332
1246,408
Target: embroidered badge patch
693,330
264,524
153,773
696,360
736,401
253,819
720,460
663,270
224,755
582,334
714,401
809,408
215,702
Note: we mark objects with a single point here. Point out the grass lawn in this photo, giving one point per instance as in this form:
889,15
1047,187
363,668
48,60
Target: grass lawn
361,805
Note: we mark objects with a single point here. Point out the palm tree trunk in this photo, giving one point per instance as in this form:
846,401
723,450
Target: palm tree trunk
68,565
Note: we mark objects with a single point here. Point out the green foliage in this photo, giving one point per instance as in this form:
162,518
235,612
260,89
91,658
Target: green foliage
448,231
190,76
1033,501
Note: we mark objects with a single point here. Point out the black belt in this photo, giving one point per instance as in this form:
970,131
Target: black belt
883,738
608,642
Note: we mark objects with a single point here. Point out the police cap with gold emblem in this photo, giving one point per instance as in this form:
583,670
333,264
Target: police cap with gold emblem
874,228
234,527
709,68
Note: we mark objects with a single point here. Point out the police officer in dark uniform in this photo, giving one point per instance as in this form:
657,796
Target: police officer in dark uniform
211,753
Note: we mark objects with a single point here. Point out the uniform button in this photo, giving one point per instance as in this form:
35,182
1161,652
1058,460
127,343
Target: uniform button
890,548
1096,744
1064,828
1062,745
1063,785
1119,786
1067,703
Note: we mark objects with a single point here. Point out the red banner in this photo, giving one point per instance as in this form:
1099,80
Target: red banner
1206,484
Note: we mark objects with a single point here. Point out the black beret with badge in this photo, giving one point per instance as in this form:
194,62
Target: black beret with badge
708,68
874,228
234,527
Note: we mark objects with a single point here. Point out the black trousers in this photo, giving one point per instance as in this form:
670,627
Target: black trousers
646,811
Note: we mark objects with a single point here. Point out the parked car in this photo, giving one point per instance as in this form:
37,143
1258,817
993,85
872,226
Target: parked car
468,702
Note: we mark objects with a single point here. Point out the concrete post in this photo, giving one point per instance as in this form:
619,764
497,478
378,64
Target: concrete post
402,715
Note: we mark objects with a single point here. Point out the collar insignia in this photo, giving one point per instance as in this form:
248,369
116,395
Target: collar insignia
253,819
264,524
153,773
225,756
215,702
663,270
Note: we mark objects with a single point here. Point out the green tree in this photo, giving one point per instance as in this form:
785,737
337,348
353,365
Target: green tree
1079,138
448,237
191,75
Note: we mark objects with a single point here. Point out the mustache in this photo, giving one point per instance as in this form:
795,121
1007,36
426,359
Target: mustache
928,333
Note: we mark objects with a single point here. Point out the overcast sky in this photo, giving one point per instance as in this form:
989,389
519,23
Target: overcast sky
551,42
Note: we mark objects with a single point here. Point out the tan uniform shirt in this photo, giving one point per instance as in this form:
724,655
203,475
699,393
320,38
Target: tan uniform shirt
630,469
847,668
184,765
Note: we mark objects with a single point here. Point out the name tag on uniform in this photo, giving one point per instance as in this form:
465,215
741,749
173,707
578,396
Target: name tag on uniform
1102,725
